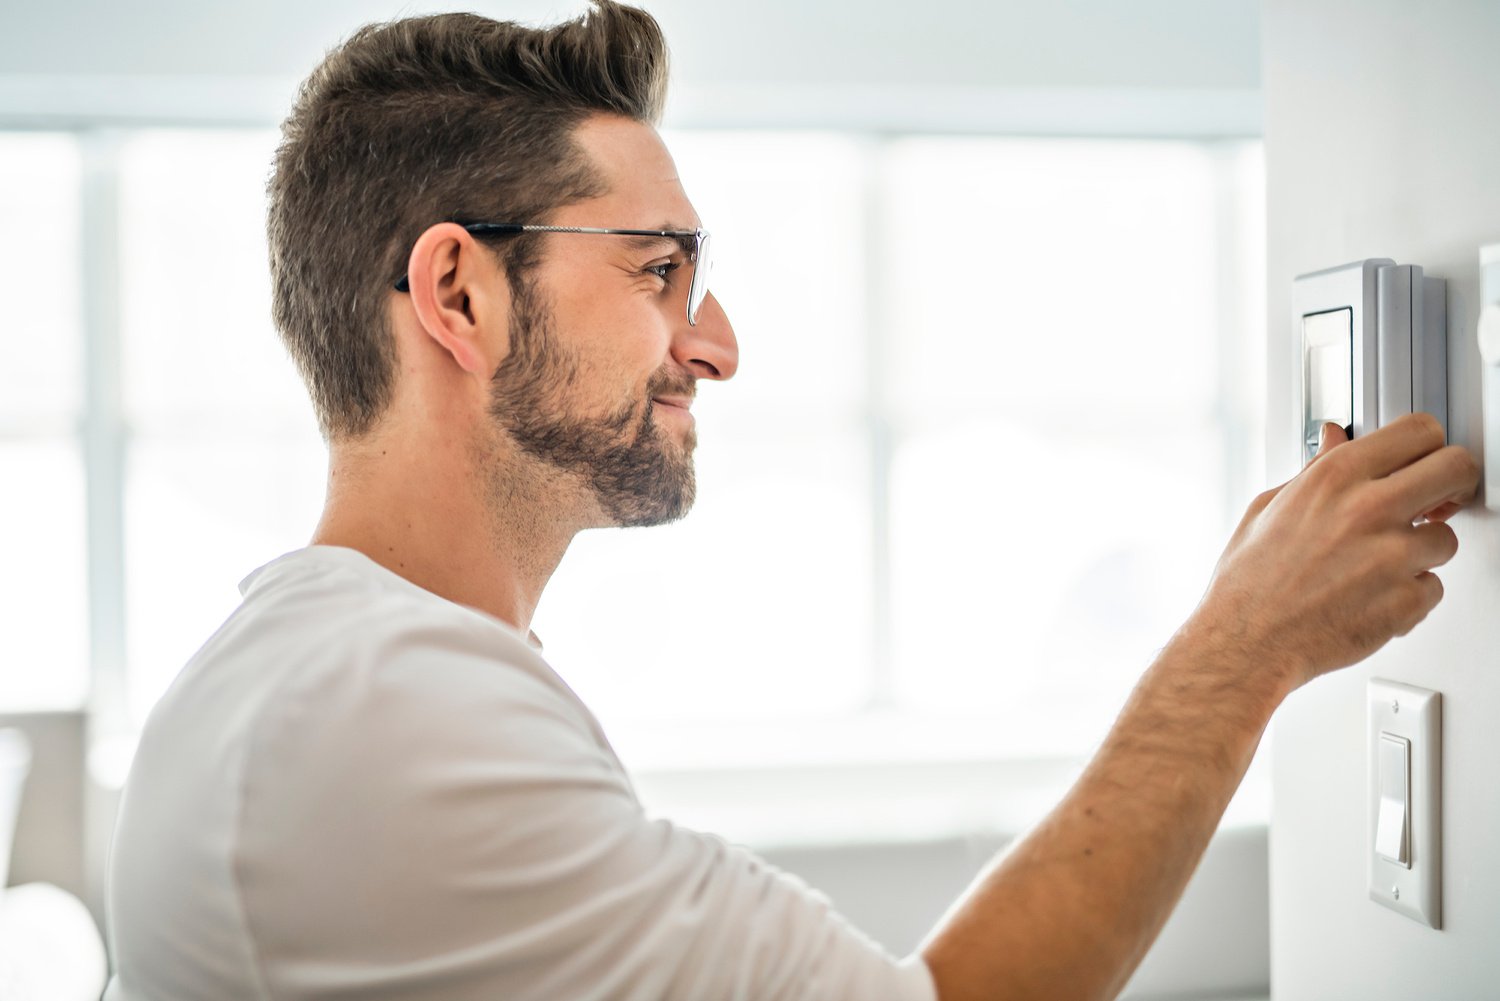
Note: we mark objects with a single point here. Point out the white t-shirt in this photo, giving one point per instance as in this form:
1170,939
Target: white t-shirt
358,789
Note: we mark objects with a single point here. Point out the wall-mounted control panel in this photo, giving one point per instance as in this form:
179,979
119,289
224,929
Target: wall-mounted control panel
1405,750
1373,340
1489,353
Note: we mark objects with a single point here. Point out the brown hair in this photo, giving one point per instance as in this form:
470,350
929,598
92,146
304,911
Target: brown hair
424,120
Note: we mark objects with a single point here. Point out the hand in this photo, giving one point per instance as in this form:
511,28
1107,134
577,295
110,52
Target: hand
1325,569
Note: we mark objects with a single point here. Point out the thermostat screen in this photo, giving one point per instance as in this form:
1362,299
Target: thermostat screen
1328,361
1329,343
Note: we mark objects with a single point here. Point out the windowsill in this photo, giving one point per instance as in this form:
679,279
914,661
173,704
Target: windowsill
874,778
817,805
863,780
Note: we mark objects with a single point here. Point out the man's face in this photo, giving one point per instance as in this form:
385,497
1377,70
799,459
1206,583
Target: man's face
603,363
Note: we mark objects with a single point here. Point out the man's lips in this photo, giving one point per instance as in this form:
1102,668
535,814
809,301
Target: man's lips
680,402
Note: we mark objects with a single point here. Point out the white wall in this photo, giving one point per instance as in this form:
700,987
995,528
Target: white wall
1381,141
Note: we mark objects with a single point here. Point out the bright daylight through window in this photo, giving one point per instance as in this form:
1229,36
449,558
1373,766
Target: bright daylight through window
995,414
44,641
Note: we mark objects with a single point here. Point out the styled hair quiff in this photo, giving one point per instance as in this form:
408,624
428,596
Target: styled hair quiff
451,117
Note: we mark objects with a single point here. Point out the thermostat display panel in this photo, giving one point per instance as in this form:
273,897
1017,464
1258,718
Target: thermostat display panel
1328,372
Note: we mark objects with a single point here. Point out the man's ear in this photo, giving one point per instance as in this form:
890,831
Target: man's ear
459,299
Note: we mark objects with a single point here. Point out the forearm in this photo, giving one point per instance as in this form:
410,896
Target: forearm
1069,910
1319,574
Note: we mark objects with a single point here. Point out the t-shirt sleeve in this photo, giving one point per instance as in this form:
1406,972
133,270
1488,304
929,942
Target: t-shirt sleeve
445,826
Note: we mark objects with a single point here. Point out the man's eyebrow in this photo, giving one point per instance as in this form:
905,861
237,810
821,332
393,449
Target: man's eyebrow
684,243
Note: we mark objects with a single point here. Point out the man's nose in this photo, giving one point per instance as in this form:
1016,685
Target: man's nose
708,349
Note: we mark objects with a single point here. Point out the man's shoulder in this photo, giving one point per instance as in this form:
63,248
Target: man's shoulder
329,605
327,635
322,588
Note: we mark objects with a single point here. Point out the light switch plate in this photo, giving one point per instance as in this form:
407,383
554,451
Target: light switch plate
1415,714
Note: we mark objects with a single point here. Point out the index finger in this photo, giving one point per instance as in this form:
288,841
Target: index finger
1449,475
1443,511
1395,446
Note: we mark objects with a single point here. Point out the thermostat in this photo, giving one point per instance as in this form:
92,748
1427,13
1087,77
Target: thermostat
1489,353
1373,339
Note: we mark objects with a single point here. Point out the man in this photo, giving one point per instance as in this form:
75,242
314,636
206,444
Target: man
368,783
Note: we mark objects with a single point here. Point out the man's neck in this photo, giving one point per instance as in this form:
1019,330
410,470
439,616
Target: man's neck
486,535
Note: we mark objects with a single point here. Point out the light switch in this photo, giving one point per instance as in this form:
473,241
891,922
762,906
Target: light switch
1393,822
1404,847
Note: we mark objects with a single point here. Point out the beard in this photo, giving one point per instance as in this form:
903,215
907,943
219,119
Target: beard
636,472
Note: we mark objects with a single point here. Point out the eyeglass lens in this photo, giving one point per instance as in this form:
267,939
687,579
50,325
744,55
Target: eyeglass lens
698,290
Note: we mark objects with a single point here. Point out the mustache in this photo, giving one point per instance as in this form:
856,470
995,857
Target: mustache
667,382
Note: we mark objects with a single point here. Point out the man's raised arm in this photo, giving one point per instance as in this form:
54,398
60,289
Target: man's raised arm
1320,574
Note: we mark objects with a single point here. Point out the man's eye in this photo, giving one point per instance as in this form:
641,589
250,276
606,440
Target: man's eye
663,269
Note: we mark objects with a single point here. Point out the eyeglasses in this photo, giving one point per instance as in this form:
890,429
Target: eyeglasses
701,262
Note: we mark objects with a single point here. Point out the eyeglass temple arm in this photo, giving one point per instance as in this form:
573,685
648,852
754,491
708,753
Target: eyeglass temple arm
516,228
403,284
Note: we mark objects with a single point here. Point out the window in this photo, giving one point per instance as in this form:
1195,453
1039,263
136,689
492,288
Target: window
224,465
996,413
44,645
757,607
989,434
1058,489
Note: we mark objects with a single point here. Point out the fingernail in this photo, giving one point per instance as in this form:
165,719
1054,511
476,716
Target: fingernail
1323,434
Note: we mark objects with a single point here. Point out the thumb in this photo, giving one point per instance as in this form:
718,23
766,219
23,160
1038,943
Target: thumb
1329,438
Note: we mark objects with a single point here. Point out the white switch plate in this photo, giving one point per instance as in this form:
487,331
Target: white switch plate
1417,715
